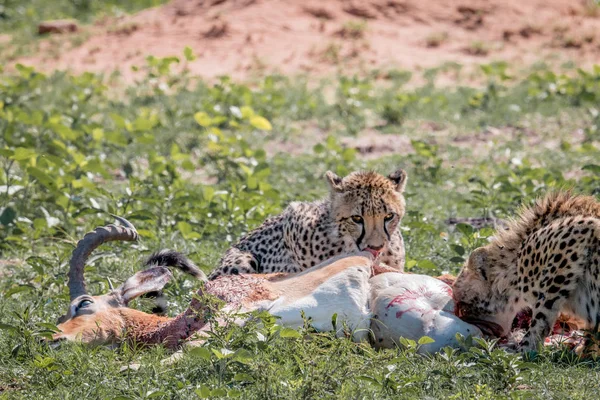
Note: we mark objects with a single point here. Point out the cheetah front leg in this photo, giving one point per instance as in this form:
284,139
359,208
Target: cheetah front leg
236,262
544,316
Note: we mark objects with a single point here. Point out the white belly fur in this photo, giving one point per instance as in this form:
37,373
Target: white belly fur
413,306
345,294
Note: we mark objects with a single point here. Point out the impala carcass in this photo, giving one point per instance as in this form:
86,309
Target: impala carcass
370,302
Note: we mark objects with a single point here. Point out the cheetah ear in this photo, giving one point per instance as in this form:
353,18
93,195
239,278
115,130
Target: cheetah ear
478,261
335,182
399,179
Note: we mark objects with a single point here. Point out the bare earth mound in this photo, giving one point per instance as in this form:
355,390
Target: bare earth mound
247,37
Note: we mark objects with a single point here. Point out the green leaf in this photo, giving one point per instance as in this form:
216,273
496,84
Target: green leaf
189,53
595,169
407,342
241,377
18,289
369,379
7,216
64,132
22,153
7,327
425,340
6,153
465,229
203,119
218,392
243,356
260,123
42,177
203,392
223,353
290,333
247,112
187,230
48,326
426,264
201,352
458,249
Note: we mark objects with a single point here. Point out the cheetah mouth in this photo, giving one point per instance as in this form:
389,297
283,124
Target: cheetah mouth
375,253
488,328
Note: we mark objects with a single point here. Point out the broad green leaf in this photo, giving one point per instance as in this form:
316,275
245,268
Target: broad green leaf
42,177
290,333
203,392
7,216
465,229
97,134
22,153
187,230
6,153
247,112
203,119
425,340
594,168
218,392
48,326
243,356
407,342
241,377
260,123
189,53
426,264
63,131
201,352
18,289
7,327
458,249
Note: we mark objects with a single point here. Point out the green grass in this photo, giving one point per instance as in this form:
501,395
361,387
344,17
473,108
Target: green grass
194,165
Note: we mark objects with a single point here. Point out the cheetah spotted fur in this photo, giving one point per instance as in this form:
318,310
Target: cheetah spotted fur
548,259
363,211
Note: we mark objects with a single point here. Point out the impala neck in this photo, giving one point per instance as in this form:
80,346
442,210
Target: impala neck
172,332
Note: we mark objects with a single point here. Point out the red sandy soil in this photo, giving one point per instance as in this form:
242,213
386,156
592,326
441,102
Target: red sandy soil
244,38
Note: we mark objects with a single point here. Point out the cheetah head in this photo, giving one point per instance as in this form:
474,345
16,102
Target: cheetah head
482,295
367,207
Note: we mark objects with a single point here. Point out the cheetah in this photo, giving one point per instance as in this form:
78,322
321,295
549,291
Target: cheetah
363,212
547,259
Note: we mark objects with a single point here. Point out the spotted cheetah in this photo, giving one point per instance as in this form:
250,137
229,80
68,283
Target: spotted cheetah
547,259
363,211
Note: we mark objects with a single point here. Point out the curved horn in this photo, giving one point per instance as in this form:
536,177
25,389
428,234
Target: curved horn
90,242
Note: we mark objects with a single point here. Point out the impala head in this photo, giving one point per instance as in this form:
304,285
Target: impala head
480,291
104,319
367,207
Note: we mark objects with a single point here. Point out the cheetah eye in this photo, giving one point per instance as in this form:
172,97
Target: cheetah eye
389,217
357,218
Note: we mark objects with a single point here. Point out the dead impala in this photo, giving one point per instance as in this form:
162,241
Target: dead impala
365,296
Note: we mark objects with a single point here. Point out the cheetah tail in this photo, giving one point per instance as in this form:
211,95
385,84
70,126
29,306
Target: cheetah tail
171,258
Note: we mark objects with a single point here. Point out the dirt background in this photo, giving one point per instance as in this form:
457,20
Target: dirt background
246,38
